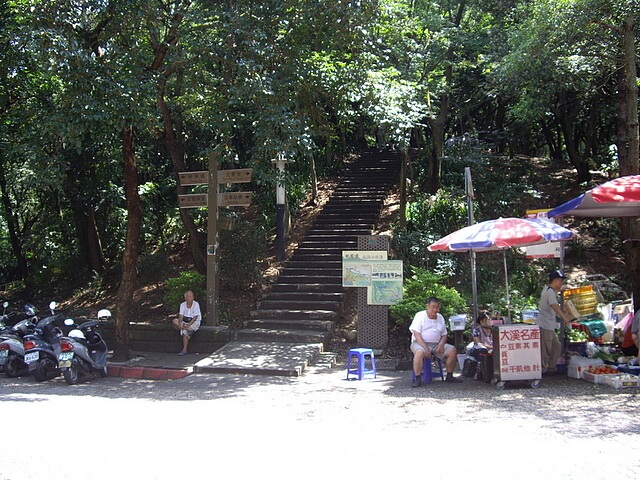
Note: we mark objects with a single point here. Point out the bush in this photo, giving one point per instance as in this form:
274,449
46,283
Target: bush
418,288
176,286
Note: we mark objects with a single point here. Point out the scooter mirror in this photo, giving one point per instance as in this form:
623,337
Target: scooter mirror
5,304
69,321
104,313
53,305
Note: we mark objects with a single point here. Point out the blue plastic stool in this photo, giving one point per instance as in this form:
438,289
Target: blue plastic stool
427,370
360,370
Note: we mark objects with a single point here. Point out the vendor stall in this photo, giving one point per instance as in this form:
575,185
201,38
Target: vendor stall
516,354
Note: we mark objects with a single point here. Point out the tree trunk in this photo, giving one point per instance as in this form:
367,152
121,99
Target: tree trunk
175,146
402,221
437,127
12,225
566,122
629,151
124,300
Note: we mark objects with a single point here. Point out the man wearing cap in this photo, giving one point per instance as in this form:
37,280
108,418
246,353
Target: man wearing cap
548,310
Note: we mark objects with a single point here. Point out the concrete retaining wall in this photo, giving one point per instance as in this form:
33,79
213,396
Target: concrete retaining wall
164,338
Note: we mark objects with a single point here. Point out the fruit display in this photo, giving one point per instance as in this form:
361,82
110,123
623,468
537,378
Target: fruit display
602,370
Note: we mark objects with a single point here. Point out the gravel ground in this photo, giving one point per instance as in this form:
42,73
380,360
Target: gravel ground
319,424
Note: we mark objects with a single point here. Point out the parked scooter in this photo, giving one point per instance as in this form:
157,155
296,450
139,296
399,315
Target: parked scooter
83,351
41,349
12,346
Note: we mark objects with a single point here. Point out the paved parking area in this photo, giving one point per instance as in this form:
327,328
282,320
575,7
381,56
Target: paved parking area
317,425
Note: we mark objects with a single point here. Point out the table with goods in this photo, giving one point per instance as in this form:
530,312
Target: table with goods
592,344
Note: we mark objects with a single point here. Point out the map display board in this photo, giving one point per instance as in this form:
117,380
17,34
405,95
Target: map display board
383,278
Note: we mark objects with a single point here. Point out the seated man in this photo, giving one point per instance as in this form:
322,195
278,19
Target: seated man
429,337
188,320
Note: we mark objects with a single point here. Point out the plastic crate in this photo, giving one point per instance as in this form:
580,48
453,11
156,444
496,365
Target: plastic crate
596,378
621,381
585,329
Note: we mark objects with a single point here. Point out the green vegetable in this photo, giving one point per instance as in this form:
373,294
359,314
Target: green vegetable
577,336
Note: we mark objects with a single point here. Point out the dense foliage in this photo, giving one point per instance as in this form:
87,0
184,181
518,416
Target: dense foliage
308,79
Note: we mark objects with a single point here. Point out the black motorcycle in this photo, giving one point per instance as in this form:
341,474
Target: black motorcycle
41,349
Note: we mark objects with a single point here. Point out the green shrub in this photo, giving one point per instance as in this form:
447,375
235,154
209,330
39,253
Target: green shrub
422,285
176,286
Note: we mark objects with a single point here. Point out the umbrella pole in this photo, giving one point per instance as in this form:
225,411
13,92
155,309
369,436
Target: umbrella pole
474,286
506,281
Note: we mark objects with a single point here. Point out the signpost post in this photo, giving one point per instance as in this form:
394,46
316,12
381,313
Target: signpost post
212,244
212,200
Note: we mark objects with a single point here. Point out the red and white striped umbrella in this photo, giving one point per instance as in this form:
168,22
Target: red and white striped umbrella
502,233
619,197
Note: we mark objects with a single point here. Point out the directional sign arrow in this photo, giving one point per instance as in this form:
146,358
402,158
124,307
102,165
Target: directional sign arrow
192,200
238,175
234,199
193,178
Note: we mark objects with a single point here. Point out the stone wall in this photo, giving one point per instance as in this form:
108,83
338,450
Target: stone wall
164,338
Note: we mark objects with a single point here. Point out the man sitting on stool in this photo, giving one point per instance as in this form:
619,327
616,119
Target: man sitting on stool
429,337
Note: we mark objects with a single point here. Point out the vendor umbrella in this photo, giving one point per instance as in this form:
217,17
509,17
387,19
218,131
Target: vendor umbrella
501,234
619,197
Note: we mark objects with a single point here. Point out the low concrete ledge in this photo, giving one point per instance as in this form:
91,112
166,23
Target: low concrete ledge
164,338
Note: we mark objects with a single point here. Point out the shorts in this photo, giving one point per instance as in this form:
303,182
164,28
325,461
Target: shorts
191,330
415,346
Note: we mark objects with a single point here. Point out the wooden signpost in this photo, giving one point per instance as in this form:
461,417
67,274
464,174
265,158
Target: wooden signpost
212,200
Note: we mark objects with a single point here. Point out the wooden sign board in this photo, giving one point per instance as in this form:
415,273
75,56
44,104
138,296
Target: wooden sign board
193,200
234,199
238,175
193,178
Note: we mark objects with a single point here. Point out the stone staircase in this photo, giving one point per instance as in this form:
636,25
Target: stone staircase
301,308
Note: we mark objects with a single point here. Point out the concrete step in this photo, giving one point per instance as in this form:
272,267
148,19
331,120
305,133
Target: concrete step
284,336
261,358
295,314
299,305
328,243
316,257
303,296
304,279
338,232
287,324
313,269
307,287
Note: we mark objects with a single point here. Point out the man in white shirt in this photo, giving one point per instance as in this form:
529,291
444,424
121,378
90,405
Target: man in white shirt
429,337
548,311
188,320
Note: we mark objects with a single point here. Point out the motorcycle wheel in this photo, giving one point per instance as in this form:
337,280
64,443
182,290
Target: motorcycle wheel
40,373
71,374
103,372
14,367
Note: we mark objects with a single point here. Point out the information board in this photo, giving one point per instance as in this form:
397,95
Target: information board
517,352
